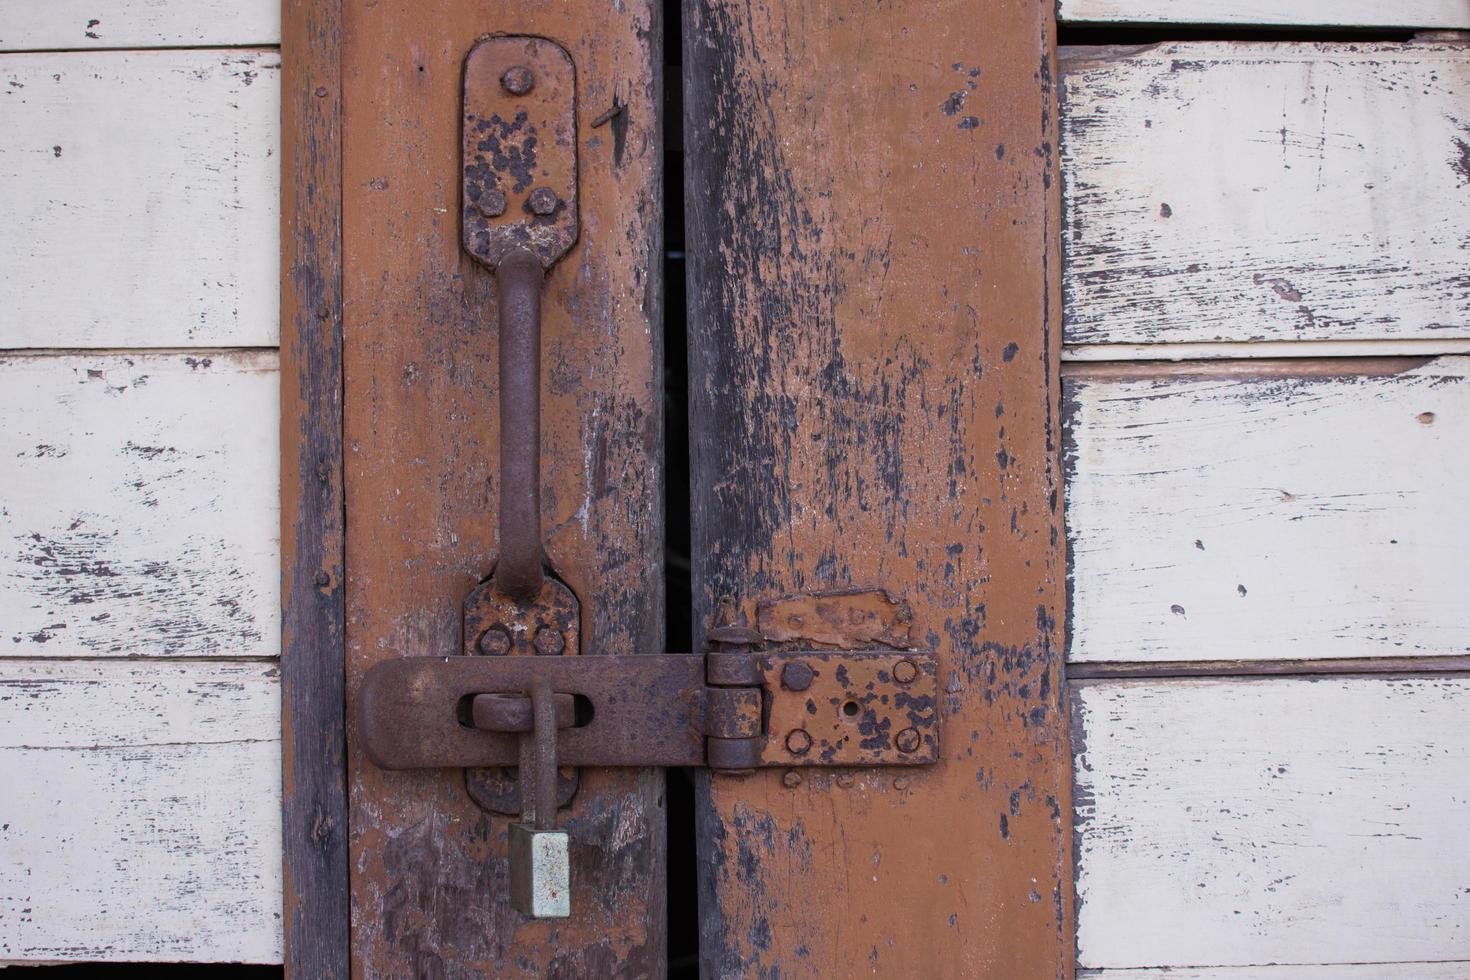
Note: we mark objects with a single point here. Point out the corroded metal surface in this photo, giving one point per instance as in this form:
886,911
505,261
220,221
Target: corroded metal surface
856,709
846,618
520,149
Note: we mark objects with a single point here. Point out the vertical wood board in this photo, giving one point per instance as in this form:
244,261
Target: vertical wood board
430,888
313,608
141,505
53,25
1234,823
140,820
1264,513
870,200
141,193
1234,191
1306,13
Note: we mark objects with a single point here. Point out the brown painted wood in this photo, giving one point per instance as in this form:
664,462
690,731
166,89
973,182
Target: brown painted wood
314,826
430,885
873,262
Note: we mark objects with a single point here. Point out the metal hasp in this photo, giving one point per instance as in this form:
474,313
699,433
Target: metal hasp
728,711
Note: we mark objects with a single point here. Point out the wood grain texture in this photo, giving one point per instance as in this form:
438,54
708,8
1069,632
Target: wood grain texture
141,194
430,887
1233,191
1295,822
313,634
1231,517
1326,13
140,819
140,505
54,25
871,210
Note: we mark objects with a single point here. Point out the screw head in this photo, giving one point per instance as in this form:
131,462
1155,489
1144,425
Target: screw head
494,642
491,203
798,742
544,201
844,779
323,580
518,80
905,671
908,740
901,783
796,676
791,779
549,641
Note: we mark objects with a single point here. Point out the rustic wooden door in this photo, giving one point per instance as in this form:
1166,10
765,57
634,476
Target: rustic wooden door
870,207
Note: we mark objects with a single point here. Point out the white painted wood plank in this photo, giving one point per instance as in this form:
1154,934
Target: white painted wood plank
1313,822
1403,347
140,192
141,812
139,505
1327,13
1278,192
1243,515
80,24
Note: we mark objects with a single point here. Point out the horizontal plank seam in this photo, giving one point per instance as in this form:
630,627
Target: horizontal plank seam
1241,350
1349,365
153,658
1257,966
1346,667
133,746
39,352
243,46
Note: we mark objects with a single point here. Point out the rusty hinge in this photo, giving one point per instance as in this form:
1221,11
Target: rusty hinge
729,711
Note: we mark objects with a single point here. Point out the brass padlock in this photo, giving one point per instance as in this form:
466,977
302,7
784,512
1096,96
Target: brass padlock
540,855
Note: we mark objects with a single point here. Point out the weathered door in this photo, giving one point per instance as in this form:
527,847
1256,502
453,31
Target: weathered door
870,209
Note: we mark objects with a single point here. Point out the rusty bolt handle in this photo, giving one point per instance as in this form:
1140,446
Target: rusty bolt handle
520,571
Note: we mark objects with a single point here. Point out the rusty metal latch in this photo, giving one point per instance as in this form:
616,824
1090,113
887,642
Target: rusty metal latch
517,693
729,711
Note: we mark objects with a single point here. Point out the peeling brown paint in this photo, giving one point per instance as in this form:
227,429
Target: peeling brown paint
849,619
868,283
430,890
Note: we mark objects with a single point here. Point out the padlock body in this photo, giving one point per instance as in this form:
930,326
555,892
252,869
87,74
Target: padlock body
540,872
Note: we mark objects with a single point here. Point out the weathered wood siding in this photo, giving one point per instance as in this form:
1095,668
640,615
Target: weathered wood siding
140,190
50,25
140,724
1329,13
138,820
1239,823
1269,511
1288,219
141,508
1266,192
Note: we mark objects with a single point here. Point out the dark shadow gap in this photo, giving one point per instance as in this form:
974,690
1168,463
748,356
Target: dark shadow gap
683,869
1076,35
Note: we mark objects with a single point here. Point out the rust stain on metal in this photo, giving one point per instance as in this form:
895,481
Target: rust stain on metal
849,619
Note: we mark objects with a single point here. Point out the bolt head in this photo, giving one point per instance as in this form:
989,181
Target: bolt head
796,676
791,779
798,742
544,201
905,671
901,783
494,642
549,641
844,779
491,203
908,740
518,80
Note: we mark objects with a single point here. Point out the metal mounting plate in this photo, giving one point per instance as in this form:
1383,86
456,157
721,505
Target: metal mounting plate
520,140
